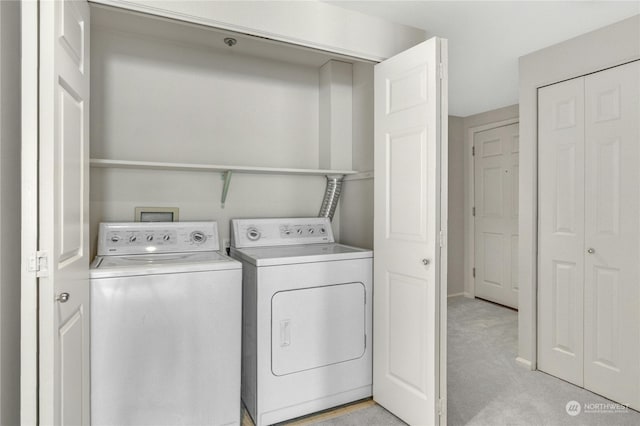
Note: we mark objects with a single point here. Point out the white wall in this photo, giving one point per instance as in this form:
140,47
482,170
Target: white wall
612,45
156,100
471,122
10,212
455,237
308,23
356,203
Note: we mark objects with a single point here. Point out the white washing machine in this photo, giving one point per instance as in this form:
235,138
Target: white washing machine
307,312
165,326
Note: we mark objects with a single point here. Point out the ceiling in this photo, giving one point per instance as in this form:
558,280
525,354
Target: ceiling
487,38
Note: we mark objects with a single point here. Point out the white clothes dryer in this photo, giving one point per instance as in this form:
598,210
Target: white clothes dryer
165,326
307,318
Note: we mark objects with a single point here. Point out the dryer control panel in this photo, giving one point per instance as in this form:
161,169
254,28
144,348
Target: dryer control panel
156,237
280,232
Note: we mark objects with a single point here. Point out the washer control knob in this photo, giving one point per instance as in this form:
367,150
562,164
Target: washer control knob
253,234
198,237
166,237
115,239
132,239
299,231
310,230
323,231
149,237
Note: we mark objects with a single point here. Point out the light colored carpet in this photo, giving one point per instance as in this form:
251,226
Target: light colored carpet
487,387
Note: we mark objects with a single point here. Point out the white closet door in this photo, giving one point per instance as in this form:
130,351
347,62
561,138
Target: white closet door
612,234
496,219
407,281
561,229
64,213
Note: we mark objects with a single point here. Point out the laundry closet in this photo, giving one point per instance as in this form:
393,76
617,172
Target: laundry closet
271,118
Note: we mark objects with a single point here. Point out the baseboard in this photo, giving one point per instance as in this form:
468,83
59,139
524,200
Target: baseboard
524,363
455,295
468,295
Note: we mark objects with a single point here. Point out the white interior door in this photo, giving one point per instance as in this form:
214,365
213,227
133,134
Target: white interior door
64,213
612,234
409,189
496,214
561,229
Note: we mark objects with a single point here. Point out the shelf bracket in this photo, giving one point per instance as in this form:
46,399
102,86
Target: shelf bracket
225,188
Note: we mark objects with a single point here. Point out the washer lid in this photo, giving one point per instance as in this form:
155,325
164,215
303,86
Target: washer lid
287,255
162,263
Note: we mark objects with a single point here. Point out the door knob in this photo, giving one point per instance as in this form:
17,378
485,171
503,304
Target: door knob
425,261
591,250
63,298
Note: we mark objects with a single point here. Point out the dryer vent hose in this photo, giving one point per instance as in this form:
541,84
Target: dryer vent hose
331,196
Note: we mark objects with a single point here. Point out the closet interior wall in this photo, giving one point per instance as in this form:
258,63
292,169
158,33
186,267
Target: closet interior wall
167,92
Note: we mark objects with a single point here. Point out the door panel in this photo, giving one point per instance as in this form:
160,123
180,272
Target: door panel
316,327
409,121
612,230
496,221
561,229
63,212
407,185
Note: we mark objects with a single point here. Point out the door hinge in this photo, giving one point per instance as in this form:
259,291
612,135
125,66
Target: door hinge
473,211
443,238
474,272
442,406
473,151
38,263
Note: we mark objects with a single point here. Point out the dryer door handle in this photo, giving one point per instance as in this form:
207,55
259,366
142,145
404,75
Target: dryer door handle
285,332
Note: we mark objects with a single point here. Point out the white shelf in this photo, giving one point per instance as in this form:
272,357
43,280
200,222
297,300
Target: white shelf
151,165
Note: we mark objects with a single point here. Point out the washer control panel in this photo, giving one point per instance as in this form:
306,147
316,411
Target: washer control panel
280,232
156,237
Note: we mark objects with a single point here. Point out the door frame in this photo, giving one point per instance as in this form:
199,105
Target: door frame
470,223
591,52
29,391
29,210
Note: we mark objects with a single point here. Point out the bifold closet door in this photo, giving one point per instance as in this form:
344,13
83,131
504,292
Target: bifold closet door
612,234
589,232
561,229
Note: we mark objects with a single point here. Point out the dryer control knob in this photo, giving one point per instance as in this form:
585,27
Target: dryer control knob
166,237
132,239
253,234
115,239
149,237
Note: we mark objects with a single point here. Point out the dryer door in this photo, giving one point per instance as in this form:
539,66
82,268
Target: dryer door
318,326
